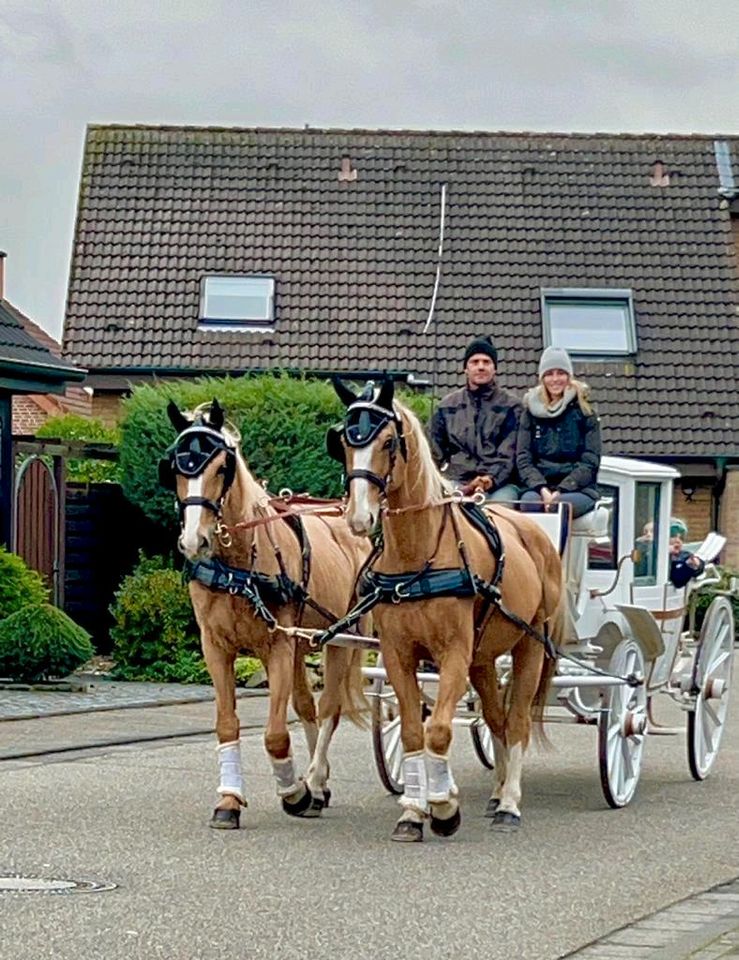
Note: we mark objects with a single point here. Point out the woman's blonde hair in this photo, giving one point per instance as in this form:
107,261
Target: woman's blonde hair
581,389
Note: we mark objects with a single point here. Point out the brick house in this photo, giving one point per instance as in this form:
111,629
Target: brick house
203,250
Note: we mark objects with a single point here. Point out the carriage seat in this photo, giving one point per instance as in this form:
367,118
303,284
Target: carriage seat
592,525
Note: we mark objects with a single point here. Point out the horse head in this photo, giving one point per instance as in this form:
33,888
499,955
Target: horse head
371,445
200,468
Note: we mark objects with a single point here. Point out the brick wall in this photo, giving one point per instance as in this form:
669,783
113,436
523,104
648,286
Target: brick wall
107,407
696,512
27,415
729,517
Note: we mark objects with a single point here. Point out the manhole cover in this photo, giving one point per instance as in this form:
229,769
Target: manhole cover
51,885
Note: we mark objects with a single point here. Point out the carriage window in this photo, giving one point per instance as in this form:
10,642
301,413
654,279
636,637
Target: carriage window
239,302
603,552
646,533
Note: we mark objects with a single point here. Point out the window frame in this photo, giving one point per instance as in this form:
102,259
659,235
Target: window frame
612,492
237,323
652,577
593,296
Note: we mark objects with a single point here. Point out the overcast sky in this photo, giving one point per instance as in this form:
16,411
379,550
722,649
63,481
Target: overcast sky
562,65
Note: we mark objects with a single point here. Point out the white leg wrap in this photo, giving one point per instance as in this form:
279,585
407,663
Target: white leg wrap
284,771
229,761
416,783
441,785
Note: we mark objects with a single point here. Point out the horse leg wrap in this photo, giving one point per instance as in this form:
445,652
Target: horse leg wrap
229,761
284,771
415,796
441,785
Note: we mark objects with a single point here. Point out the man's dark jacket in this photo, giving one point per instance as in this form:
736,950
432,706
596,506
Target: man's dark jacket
474,431
561,453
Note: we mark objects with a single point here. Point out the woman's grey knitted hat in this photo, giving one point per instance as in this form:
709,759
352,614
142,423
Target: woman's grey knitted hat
555,358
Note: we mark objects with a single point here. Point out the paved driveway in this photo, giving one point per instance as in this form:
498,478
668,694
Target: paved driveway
136,816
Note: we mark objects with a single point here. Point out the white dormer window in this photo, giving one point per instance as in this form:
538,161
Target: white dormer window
589,322
232,302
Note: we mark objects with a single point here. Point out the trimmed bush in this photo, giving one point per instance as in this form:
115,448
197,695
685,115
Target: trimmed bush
40,641
283,423
71,426
19,585
155,636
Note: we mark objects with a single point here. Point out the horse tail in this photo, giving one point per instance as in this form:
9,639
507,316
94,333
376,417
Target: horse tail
354,703
554,604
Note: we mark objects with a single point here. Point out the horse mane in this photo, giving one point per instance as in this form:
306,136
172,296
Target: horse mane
426,478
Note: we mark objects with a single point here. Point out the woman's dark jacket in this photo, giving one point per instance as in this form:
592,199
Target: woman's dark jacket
561,453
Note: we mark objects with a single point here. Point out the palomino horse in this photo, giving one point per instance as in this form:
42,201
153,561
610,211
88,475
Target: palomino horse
466,606
248,583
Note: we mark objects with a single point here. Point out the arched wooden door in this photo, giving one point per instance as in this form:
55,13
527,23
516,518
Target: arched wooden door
36,528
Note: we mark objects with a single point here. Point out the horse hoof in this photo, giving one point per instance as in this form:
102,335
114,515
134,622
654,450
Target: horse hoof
491,808
407,831
448,827
505,822
225,819
307,806
326,797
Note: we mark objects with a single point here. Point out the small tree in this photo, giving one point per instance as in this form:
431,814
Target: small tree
41,641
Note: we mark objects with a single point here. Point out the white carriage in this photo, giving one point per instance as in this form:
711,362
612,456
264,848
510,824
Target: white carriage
627,641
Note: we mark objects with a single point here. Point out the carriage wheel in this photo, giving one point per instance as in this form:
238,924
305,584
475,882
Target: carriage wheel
482,741
386,743
622,727
711,681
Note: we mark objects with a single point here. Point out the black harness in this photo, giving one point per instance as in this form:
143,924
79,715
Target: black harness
192,451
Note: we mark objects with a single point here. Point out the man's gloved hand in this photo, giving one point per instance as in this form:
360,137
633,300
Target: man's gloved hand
481,482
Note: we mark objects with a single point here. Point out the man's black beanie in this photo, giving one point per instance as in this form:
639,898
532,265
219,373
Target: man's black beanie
481,345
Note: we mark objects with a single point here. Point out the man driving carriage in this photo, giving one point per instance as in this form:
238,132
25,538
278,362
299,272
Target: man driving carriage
473,430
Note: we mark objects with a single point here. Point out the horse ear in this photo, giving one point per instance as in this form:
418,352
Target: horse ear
217,415
343,392
385,396
178,420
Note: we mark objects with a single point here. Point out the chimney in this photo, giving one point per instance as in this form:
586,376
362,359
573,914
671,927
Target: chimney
3,255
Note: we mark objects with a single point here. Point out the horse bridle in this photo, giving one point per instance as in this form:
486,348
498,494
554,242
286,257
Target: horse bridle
192,451
363,422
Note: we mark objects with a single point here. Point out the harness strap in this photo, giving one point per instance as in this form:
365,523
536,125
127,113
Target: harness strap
365,475
239,583
211,505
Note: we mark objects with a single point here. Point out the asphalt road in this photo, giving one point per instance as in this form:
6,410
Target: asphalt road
137,816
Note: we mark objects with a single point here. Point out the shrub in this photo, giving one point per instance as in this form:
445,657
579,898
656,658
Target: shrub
155,635
71,426
283,423
40,641
19,585
704,597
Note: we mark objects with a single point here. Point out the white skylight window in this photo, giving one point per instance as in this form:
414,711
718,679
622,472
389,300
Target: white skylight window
237,302
589,322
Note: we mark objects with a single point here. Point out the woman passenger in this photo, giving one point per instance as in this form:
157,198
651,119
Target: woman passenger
558,448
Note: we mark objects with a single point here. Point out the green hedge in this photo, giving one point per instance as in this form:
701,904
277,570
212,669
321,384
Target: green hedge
71,426
40,641
283,423
704,597
19,585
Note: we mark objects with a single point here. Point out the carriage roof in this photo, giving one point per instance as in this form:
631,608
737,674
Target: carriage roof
636,469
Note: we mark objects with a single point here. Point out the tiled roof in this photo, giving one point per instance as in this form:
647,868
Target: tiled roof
22,342
355,261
